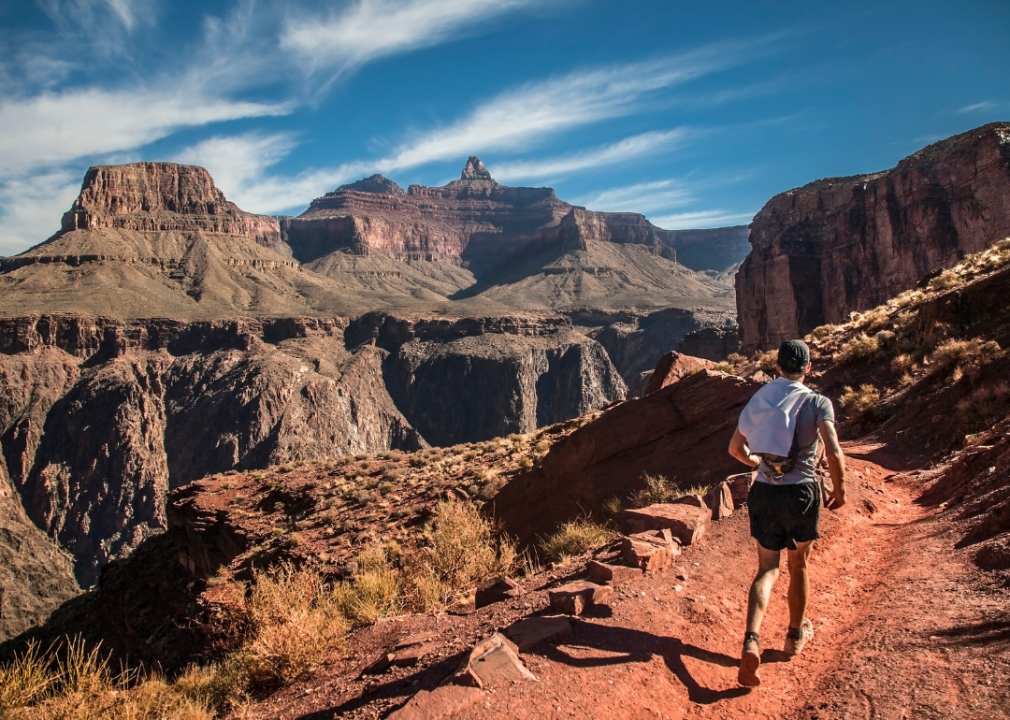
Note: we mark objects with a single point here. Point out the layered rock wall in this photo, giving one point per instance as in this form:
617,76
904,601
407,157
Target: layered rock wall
839,245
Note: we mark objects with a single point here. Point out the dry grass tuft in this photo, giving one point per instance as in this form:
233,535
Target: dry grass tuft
964,357
859,349
462,549
76,684
657,490
574,538
861,403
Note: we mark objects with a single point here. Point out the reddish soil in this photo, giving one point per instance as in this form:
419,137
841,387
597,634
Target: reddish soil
904,628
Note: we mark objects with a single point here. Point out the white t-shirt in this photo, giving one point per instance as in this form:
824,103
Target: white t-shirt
771,418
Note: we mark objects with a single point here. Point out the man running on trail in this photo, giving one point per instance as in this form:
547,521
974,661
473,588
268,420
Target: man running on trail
778,434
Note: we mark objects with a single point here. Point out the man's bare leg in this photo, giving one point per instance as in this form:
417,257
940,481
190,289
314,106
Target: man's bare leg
757,603
800,630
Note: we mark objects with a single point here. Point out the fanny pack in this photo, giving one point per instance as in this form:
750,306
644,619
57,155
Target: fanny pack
778,464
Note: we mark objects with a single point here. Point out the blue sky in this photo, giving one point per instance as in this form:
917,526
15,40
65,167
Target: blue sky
693,112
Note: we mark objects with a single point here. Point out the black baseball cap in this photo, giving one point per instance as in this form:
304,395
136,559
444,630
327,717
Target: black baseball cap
794,356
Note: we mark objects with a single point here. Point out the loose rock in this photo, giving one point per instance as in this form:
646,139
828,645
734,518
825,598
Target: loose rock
575,597
687,523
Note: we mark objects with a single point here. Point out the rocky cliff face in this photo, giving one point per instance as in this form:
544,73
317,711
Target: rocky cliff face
680,431
472,379
478,222
162,197
845,244
100,419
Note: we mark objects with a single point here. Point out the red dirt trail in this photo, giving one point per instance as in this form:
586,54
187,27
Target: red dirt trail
904,626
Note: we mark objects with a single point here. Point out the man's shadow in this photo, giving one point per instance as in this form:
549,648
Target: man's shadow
638,646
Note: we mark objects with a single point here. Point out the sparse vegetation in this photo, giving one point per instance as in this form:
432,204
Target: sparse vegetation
72,682
574,538
964,357
859,349
862,402
657,490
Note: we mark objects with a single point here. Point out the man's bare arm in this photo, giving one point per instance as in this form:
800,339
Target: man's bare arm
836,463
738,449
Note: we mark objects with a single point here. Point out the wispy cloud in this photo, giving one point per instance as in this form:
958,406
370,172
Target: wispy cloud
625,150
702,219
33,207
643,197
371,29
58,127
979,107
91,13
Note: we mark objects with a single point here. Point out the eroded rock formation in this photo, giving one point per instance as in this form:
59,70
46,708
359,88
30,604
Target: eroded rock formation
845,244
680,431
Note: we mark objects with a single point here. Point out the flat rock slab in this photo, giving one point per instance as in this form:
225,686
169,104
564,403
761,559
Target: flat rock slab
530,632
686,522
503,588
613,574
419,639
376,664
575,597
413,654
720,501
439,704
493,662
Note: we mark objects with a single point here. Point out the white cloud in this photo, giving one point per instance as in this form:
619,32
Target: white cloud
642,198
237,163
517,119
32,208
701,219
370,29
979,107
58,127
92,13
629,148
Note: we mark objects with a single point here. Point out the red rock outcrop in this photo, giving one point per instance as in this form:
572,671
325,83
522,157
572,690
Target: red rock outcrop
681,432
473,221
845,244
674,367
160,197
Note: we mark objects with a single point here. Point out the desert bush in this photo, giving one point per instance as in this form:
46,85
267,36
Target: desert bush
860,403
374,591
859,349
725,367
657,490
574,538
823,331
613,508
946,280
766,360
72,683
984,402
964,357
902,364
736,359
875,319
462,549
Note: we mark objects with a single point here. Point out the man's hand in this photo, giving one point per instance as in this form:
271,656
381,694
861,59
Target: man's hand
836,499
738,449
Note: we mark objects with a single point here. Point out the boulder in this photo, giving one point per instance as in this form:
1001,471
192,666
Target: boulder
413,655
675,366
651,550
612,574
575,597
720,501
439,704
493,662
686,522
376,664
497,590
692,500
530,632
739,486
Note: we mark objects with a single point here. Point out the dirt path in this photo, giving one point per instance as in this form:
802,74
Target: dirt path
904,628
668,648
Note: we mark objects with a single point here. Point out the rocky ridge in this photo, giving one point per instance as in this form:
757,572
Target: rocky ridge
849,244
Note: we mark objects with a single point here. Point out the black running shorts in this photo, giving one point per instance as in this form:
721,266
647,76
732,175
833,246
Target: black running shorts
783,515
